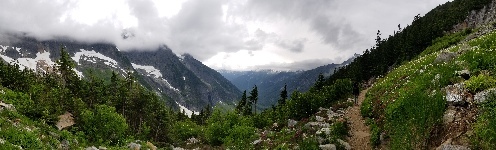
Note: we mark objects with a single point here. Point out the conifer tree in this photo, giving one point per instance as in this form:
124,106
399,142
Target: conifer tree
253,98
284,96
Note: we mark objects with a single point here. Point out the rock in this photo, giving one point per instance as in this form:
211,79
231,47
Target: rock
256,142
327,131
346,145
193,140
65,120
292,123
177,148
481,96
452,147
465,74
449,116
65,145
327,147
134,146
274,125
102,148
151,146
319,118
2,141
91,148
455,94
444,57
320,140
6,106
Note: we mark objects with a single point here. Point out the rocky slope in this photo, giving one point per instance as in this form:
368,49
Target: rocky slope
183,82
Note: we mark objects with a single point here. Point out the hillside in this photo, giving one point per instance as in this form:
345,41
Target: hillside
178,82
270,82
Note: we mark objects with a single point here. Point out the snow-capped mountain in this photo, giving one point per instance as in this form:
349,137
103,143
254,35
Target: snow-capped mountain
184,83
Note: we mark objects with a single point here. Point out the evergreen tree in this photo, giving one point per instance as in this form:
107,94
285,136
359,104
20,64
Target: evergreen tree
319,84
253,98
284,96
241,104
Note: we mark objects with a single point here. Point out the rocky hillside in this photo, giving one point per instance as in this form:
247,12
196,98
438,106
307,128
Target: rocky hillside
182,82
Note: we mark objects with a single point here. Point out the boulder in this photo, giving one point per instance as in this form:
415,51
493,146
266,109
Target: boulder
256,142
151,146
292,123
91,148
193,140
481,96
456,94
326,131
134,146
102,148
6,106
327,147
319,118
64,145
346,145
452,147
65,120
465,74
444,57
449,116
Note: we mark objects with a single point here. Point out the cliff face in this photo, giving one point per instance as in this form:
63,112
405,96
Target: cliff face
478,18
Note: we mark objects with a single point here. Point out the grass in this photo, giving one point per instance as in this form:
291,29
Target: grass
409,102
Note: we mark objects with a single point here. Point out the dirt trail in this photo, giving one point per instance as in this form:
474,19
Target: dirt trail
359,133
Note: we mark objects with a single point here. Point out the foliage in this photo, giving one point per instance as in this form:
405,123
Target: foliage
485,127
480,82
183,130
103,125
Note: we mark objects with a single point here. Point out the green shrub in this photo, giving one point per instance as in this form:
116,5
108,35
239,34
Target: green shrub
485,127
103,125
480,82
240,137
184,130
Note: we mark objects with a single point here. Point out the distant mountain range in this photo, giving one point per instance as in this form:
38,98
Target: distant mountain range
182,81
270,82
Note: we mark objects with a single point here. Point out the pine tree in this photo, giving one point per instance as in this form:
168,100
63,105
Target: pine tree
240,108
253,98
284,96
319,84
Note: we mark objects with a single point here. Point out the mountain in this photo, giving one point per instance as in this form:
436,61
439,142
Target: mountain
270,83
183,82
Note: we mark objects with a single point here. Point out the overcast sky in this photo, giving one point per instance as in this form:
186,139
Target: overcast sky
223,34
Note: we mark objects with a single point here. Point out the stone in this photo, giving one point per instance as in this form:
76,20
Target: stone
292,123
65,145
319,118
449,116
452,147
151,146
445,57
91,148
65,120
193,140
481,96
326,131
274,125
5,106
465,74
455,94
134,146
327,147
256,142
346,145
102,148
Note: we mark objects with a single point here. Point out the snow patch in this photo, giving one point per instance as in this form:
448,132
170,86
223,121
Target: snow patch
28,63
186,110
91,57
184,78
149,69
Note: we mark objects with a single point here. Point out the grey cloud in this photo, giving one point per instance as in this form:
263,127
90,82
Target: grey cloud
293,46
296,66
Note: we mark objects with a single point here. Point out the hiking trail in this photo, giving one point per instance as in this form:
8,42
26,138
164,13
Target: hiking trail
359,138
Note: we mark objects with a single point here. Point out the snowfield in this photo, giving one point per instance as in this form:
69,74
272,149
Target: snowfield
186,110
92,56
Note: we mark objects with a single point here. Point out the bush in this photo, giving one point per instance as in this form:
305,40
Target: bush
480,82
184,130
485,127
103,125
